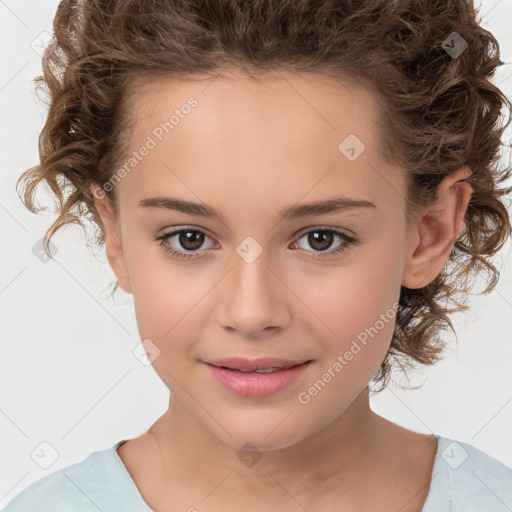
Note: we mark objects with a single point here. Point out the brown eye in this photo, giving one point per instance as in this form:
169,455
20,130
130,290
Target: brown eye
188,242
191,240
321,239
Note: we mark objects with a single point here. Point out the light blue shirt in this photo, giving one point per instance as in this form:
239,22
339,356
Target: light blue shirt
464,479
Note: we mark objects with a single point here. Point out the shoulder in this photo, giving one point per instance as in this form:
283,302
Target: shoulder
465,478
98,482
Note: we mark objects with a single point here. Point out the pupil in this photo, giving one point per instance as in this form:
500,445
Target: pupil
324,237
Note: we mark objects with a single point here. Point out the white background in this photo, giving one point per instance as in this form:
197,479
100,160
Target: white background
67,372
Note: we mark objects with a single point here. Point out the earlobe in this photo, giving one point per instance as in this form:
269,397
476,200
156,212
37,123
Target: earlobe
431,239
113,242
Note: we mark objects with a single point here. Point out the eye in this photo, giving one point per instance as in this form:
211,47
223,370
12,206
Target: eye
191,240
321,238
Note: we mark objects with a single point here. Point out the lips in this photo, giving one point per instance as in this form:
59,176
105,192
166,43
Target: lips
257,378
262,365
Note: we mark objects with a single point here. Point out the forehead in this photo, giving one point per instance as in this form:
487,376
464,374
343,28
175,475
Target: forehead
277,100
289,132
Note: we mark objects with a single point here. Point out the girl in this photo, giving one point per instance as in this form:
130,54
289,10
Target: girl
297,194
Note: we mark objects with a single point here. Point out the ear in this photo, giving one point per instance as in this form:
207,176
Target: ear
431,239
113,243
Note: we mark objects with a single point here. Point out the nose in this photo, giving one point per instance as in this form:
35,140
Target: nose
254,300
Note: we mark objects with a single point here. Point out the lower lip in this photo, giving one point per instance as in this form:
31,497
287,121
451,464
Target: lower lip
257,384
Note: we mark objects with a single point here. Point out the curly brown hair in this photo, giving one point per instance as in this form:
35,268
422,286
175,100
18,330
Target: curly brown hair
442,110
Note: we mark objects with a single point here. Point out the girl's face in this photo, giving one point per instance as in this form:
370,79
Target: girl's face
246,281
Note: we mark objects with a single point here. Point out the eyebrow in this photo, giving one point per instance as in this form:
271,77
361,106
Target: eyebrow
295,211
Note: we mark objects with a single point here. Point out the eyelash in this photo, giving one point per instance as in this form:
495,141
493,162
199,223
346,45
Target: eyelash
348,241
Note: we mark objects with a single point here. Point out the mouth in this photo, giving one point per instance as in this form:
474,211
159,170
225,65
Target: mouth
256,378
263,365
261,371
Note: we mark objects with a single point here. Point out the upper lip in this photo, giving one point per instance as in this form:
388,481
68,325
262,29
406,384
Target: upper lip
239,363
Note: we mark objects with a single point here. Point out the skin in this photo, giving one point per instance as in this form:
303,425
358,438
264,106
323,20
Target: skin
249,149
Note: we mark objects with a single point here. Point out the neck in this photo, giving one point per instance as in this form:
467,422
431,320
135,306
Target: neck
344,454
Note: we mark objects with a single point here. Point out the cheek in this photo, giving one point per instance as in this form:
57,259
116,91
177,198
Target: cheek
169,302
356,302
160,295
161,304
358,310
